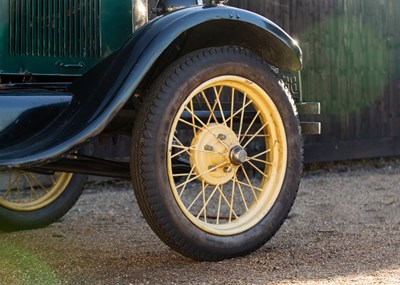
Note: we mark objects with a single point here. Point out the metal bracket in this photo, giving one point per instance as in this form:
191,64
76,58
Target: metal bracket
309,108
310,128
70,65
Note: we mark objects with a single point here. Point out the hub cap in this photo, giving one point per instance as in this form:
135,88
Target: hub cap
214,163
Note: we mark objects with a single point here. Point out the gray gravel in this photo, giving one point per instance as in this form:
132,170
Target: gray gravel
343,229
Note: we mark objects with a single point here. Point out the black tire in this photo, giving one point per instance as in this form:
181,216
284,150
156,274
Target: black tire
43,208
199,233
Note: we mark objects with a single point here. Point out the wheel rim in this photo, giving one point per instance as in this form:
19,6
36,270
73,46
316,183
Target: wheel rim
26,191
231,135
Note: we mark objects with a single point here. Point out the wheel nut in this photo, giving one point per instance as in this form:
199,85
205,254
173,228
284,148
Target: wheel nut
208,147
238,155
222,137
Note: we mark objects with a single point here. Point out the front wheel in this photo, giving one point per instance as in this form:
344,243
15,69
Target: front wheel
217,156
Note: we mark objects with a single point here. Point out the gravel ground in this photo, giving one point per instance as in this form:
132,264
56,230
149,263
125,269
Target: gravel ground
344,229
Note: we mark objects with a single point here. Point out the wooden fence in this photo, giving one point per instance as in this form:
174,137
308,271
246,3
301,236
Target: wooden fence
351,65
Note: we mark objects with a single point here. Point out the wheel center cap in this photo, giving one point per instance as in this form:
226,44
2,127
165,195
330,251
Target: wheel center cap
238,155
211,152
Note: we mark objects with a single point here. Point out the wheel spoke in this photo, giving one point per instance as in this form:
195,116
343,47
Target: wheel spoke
180,152
261,153
206,127
18,189
39,183
7,193
232,201
241,193
257,136
203,209
217,95
32,188
249,183
226,201
182,174
203,191
194,201
208,151
187,148
193,125
212,109
258,170
254,136
230,119
219,204
201,174
232,104
242,116
245,184
16,174
193,120
188,177
210,197
260,160
181,144
249,127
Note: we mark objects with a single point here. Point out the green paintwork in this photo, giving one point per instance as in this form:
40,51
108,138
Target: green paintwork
106,89
31,46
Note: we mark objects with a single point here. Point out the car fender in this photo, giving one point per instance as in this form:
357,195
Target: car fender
101,93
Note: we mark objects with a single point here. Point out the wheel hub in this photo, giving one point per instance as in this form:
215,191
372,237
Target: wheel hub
238,155
216,154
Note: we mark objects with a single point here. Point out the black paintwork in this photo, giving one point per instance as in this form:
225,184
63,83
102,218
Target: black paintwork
103,91
25,113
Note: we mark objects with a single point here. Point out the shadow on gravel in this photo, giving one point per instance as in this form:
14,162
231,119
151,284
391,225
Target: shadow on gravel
344,228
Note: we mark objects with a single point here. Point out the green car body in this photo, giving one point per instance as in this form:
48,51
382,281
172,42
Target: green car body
61,37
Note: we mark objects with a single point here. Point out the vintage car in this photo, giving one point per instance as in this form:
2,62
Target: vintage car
209,96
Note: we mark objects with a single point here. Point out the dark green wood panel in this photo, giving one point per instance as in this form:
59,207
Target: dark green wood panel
351,65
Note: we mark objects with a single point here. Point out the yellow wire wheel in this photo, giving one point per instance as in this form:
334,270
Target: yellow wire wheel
237,162
31,200
216,154
25,191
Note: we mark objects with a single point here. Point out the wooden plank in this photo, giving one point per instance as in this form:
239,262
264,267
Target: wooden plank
351,65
